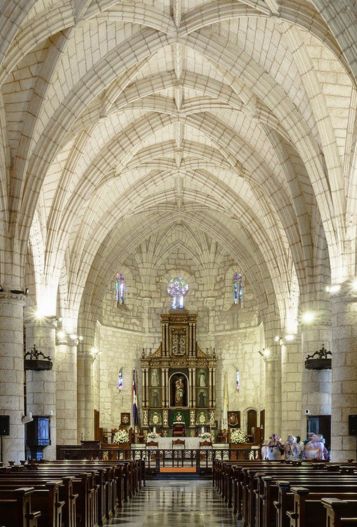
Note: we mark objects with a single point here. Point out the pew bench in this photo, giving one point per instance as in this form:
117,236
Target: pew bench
16,508
340,513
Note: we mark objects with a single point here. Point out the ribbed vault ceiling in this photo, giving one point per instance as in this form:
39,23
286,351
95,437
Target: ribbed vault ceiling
124,119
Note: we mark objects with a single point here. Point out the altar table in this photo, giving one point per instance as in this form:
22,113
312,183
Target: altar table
165,443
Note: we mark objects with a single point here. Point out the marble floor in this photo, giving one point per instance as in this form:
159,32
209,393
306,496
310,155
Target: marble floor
175,503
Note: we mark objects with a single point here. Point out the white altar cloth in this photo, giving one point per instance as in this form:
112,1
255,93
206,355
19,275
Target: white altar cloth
190,442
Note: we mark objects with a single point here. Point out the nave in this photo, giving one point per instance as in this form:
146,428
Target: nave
173,502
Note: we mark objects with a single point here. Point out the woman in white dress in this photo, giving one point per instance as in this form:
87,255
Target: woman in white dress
274,450
314,449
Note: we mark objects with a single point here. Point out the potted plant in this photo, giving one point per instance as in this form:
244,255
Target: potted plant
205,436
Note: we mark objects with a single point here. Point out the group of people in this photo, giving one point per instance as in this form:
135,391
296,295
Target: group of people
294,449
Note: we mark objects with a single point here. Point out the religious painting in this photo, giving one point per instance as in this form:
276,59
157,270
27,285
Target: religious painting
125,418
233,419
202,378
178,341
202,418
155,418
201,400
155,377
155,397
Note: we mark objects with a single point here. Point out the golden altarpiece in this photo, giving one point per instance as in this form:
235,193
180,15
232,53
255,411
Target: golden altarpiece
178,379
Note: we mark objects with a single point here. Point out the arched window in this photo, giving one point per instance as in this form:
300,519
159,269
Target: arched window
238,289
177,288
119,288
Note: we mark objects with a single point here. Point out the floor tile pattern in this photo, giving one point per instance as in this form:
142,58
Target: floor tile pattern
174,503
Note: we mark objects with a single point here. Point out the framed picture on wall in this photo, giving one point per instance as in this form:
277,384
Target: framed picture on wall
233,419
125,418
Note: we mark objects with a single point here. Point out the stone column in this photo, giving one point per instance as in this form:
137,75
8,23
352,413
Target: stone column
344,371
66,392
41,385
272,393
291,388
12,373
85,395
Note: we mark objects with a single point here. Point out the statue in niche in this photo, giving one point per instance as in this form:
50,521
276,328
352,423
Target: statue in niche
202,378
179,391
154,378
202,399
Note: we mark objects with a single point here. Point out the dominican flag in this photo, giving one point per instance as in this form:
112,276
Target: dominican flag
120,380
135,401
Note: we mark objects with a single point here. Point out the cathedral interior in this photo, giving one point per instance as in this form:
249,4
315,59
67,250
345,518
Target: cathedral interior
212,142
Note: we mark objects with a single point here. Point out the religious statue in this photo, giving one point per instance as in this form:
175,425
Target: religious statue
179,391
202,378
154,378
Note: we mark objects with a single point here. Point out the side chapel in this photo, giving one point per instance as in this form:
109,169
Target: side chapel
179,380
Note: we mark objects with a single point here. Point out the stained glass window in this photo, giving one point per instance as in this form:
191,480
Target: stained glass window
119,288
177,289
238,289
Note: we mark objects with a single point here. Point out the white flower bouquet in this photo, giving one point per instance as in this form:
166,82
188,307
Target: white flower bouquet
153,435
121,436
237,436
206,436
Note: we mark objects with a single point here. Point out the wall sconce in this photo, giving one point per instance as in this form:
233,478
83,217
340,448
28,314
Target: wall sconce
308,317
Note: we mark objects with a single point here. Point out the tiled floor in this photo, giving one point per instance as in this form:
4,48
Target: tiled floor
171,503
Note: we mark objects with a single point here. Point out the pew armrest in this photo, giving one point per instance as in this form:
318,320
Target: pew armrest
33,515
277,505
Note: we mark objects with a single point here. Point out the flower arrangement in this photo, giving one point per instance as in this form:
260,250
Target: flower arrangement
237,436
206,436
153,435
121,436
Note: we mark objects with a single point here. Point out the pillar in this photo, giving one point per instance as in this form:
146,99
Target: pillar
291,388
41,385
344,371
66,392
272,393
85,394
12,374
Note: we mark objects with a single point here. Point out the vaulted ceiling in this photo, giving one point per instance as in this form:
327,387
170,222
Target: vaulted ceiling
235,118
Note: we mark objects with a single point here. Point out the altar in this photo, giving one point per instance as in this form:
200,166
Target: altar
179,381
191,443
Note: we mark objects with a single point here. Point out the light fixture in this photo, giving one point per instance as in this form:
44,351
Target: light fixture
333,288
61,334
354,285
290,337
276,338
80,338
308,317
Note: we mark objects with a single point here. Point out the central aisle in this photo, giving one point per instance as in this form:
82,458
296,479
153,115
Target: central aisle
171,503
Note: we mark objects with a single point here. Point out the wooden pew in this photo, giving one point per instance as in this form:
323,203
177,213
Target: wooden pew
16,509
44,497
309,510
340,513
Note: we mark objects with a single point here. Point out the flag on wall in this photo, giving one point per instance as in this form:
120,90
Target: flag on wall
135,401
237,380
225,403
120,380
